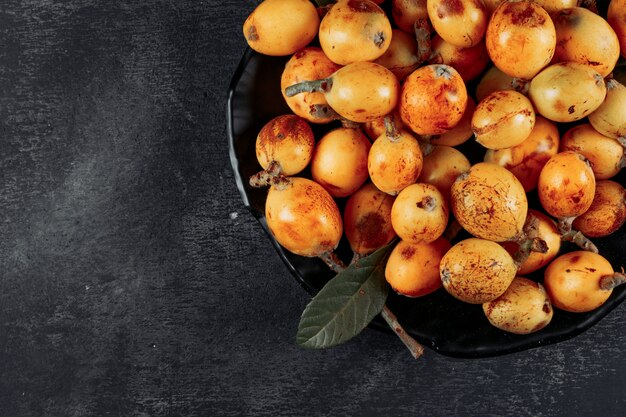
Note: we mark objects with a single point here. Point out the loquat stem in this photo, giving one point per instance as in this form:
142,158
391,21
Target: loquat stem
570,235
427,203
413,345
355,258
520,85
422,36
608,282
529,241
580,240
526,247
266,177
349,124
565,225
323,111
426,147
315,86
435,58
332,260
390,127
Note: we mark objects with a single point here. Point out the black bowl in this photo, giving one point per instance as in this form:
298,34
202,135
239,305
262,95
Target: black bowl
438,320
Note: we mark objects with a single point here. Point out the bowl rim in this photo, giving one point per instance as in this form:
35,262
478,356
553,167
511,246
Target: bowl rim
378,324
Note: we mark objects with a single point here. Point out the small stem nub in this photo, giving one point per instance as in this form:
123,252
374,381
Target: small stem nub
529,241
528,246
355,258
268,176
426,147
520,85
414,347
622,141
422,35
579,240
391,131
316,86
565,225
323,111
608,282
428,203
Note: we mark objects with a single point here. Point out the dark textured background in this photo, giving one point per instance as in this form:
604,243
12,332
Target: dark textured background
133,282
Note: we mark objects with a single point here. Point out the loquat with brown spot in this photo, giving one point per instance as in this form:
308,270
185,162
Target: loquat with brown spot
523,308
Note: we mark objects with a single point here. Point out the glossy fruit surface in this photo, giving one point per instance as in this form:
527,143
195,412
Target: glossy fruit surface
469,62
607,212
460,22
477,270
493,80
354,31
584,37
413,268
419,213
433,99
616,16
573,281
460,133
421,317
523,308
567,91
395,163
303,217
375,128
527,159
489,202
603,153
610,117
367,219
406,12
339,162
363,91
305,65
566,185
441,168
288,140
503,119
271,30
554,6
520,38
401,56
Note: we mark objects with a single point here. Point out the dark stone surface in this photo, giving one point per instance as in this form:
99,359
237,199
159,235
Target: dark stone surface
133,282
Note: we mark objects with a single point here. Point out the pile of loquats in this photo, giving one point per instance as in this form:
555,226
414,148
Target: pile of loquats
532,82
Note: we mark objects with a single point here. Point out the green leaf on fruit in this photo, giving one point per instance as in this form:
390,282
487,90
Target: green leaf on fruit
346,304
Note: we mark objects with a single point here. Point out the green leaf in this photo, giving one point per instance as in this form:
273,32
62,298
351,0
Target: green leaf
346,304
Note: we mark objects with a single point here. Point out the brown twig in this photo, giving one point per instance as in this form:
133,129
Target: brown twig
608,282
413,345
416,349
